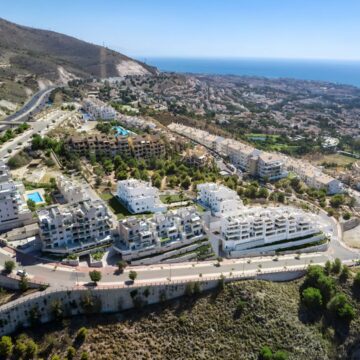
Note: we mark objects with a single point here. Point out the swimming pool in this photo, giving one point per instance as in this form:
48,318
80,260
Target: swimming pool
120,131
35,197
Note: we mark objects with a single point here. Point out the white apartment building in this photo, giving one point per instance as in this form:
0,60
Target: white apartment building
175,226
13,208
260,226
245,157
139,196
71,190
219,199
98,109
76,227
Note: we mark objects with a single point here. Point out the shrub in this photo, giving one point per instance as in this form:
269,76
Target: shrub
9,266
312,298
6,347
81,334
132,275
265,353
84,356
347,216
71,352
95,276
280,355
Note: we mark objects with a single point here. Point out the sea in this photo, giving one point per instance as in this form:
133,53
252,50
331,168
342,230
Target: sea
340,72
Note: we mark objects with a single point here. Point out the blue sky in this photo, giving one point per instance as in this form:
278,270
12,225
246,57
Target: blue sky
315,29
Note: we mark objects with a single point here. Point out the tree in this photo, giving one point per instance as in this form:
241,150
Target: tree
336,266
95,276
6,347
122,264
345,273
9,266
266,353
340,308
23,283
132,275
356,283
263,193
312,298
31,205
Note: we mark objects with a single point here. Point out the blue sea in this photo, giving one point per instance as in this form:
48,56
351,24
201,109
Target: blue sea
341,72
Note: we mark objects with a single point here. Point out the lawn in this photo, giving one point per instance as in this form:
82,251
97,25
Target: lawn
169,199
339,159
117,208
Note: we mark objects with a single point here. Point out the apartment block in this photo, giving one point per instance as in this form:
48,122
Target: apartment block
245,157
141,147
97,109
219,199
76,227
13,208
139,196
314,177
257,227
71,190
175,226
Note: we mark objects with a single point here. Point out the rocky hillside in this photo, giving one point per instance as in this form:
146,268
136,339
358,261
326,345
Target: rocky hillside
32,58
235,322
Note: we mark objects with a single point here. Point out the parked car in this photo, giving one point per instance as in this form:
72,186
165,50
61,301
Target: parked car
22,273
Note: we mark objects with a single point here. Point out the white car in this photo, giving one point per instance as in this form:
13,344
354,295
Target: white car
22,273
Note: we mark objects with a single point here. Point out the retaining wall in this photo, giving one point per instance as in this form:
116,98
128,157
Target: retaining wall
74,301
350,224
273,248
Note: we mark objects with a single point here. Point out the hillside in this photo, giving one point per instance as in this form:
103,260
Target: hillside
32,58
233,323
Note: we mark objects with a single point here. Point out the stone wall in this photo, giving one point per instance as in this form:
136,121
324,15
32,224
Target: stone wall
40,307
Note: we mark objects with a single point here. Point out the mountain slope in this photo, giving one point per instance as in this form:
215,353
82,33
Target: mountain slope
30,58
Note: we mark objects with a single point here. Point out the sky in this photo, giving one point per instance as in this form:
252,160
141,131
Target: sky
298,29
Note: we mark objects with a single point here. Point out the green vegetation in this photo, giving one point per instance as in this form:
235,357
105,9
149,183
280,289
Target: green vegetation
19,160
121,264
31,204
95,276
117,208
132,275
98,255
9,266
11,134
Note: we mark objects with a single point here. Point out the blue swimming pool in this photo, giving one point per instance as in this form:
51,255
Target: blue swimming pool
120,131
35,197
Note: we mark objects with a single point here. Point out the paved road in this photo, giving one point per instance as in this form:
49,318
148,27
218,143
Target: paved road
35,103
41,126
